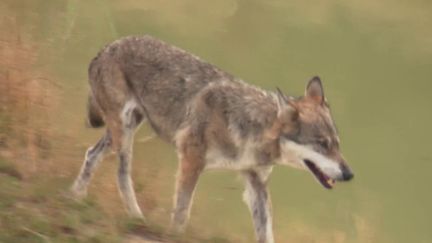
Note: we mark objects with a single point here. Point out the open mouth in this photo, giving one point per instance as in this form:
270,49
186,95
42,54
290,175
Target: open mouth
325,180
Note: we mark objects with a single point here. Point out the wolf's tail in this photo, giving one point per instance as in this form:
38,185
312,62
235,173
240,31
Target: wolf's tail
94,116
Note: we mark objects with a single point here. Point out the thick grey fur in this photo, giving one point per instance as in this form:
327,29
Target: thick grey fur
200,109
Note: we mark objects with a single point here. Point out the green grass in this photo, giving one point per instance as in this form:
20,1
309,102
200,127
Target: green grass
38,211
9,169
41,210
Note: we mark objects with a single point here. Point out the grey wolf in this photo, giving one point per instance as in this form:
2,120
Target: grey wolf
213,119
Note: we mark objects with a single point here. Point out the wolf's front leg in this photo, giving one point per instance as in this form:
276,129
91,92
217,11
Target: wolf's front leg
189,170
257,198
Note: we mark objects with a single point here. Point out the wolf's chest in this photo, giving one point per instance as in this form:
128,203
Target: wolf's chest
244,159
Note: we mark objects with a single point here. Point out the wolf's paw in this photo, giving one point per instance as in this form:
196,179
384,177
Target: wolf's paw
77,194
136,214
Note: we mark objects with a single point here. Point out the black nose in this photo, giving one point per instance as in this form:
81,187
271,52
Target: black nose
347,174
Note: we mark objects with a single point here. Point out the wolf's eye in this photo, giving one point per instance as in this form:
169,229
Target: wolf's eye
324,143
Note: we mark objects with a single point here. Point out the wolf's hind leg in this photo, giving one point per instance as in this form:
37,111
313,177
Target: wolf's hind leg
93,156
130,119
257,198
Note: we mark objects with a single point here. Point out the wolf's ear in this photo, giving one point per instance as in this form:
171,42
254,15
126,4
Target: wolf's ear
282,99
287,109
314,90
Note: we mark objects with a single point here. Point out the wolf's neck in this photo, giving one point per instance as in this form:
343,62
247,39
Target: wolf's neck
248,108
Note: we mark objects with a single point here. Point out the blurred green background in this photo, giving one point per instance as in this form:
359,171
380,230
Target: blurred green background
374,57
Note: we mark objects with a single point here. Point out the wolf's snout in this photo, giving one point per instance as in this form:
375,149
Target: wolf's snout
347,173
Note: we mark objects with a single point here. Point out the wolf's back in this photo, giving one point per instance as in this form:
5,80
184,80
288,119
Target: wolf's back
164,79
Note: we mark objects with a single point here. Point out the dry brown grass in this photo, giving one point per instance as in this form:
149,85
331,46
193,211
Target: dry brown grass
28,99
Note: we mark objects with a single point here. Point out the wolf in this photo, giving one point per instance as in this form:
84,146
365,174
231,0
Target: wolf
213,119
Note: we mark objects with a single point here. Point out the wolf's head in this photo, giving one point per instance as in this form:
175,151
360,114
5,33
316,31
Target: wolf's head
308,137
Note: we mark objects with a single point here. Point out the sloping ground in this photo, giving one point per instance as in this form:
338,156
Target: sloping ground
39,210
